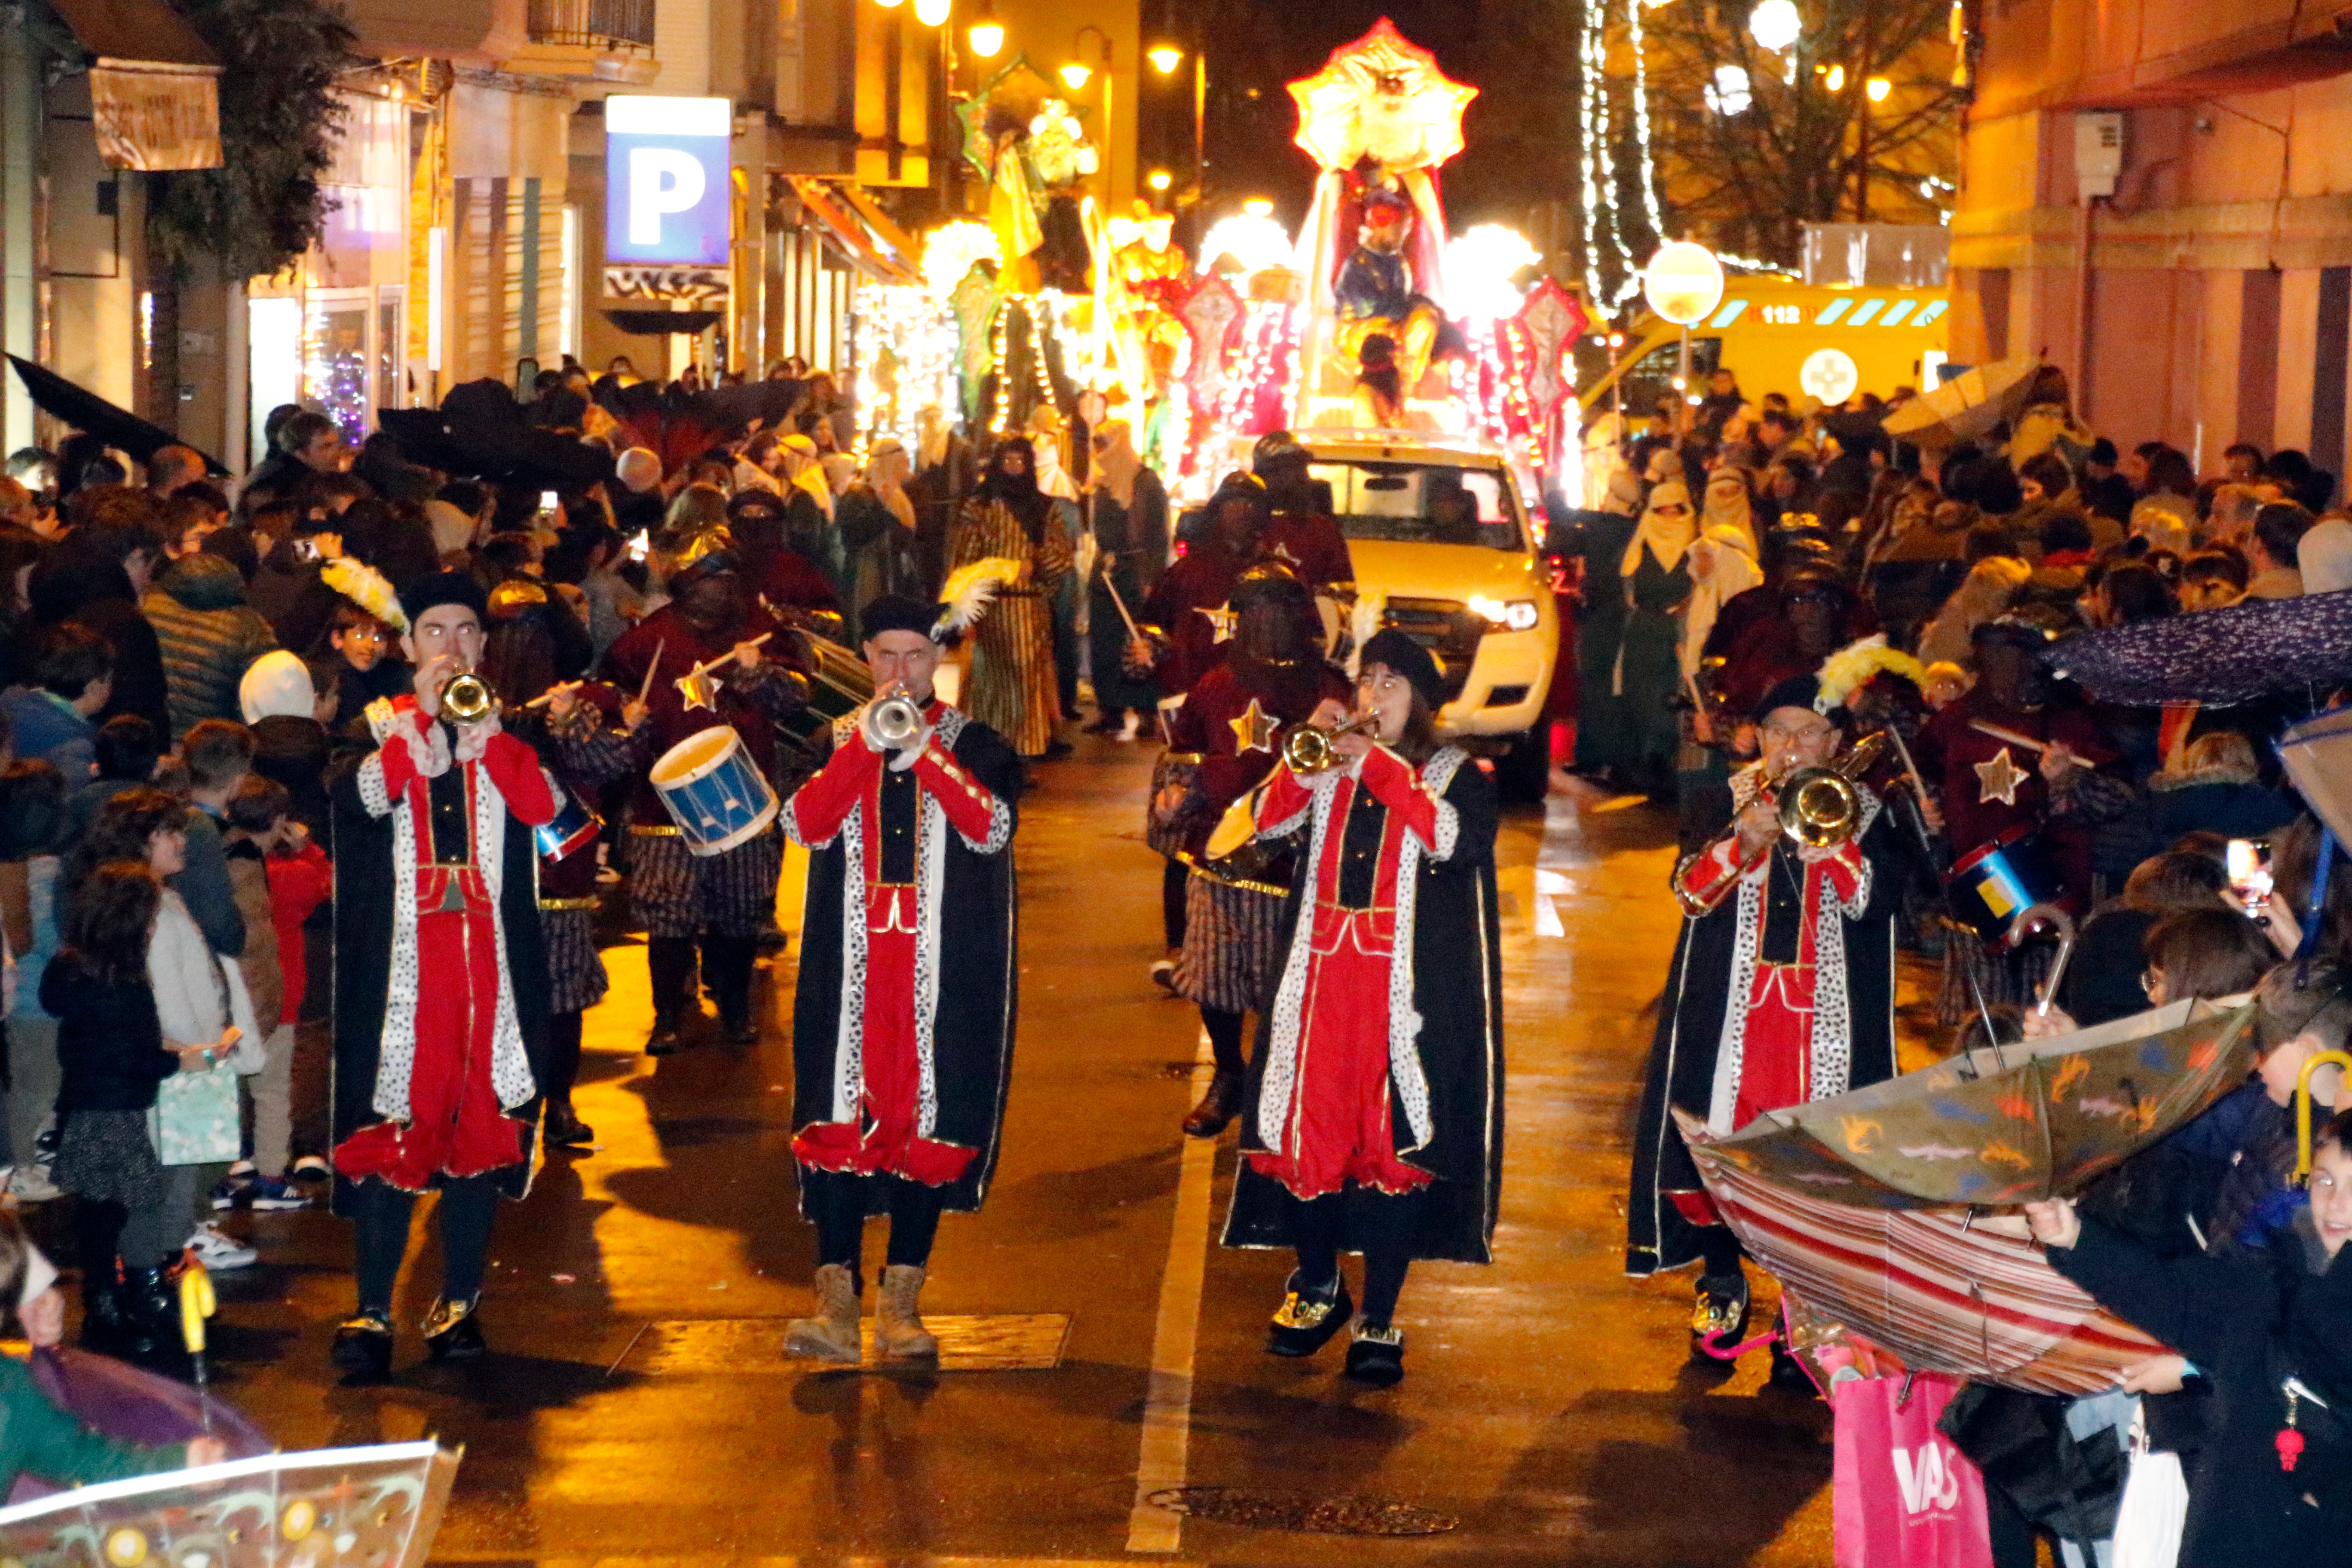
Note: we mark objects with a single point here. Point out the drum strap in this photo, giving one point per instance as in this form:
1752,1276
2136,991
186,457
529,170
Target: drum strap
2318,901
647,830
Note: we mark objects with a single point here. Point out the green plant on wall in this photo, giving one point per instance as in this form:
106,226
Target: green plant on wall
259,211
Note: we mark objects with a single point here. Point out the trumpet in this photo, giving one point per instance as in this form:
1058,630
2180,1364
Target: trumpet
468,698
891,721
1822,806
1308,750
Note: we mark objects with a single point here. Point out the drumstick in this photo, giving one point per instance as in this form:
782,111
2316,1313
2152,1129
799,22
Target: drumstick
722,659
548,695
2011,736
647,684
1132,629
1918,784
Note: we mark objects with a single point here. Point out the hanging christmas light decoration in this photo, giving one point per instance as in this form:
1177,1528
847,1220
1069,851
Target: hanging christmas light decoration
1479,268
951,250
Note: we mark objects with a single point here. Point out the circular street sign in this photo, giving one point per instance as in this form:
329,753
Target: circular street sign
1831,376
1684,282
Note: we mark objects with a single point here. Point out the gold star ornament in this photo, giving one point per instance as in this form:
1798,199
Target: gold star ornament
1221,619
698,688
1999,779
1255,729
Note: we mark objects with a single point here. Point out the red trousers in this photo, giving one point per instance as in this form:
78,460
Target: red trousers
1336,1129
882,1136
455,1127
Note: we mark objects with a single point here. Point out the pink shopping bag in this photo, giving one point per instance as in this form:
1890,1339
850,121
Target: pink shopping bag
1901,1496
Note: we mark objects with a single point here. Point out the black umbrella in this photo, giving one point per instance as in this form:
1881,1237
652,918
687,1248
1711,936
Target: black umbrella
479,430
2218,656
93,415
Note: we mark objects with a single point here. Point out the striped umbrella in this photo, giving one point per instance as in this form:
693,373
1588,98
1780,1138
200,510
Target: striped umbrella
1941,1292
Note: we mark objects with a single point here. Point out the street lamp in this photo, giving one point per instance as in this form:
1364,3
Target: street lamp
1075,76
1878,87
1775,25
986,34
1165,59
1258,206
1158,180
1834,79
932,13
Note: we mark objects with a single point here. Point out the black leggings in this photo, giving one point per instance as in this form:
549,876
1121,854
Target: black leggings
669,964
1718,1250
838,1203
1384,1225
1173,879
379,1214
563,1031
1224,1038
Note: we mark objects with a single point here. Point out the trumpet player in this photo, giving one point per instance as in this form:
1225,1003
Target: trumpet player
902,1025
1271,676
1373,1119
440,992
1782,991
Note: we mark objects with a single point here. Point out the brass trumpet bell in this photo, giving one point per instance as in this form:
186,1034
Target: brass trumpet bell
1822,806
891,721
1308,750
468,698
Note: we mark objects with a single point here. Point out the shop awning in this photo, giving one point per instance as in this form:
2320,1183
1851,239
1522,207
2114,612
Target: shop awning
154,89
841,222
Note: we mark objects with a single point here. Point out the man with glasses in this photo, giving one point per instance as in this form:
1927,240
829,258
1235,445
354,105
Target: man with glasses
1782,992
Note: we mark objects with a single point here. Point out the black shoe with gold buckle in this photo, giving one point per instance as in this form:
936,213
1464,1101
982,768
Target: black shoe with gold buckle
363,1351
1307,1319
1720,1314
452,1330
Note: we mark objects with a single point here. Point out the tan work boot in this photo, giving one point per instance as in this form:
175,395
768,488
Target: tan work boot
899,1331
832,1334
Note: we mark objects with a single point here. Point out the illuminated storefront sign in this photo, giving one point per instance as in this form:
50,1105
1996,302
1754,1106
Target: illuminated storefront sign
666,181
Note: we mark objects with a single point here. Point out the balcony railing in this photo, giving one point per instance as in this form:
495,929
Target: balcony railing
594,24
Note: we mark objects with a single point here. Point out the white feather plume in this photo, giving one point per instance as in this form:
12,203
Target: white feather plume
964,598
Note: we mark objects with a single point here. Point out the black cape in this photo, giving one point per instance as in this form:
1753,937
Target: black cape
1690,1035
1457,989
362,848
979,957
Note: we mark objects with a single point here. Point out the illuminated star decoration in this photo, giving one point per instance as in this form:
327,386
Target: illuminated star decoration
699,688
1223,619
1255,729
1998,780
1384,96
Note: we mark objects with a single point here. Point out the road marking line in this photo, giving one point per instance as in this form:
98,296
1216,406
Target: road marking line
1166,1448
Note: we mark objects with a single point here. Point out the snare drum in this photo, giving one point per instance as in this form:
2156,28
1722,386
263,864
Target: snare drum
713,792
572,828
1991,883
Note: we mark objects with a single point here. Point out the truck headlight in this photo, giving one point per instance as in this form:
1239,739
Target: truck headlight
1506,614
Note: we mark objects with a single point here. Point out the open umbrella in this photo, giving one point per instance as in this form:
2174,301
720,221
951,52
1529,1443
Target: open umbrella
2317,755
1966,407
88,413
1940,1291
479,430
2219,657
2009,1126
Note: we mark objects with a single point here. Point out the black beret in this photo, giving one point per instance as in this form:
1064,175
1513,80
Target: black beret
898,612
446,588
1407,658
1798,692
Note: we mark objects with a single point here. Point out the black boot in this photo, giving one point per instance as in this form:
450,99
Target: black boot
566,1131
1217,1106
727,965
1307,1319
150,1308
669,969
363,1351
109,1326
454,1331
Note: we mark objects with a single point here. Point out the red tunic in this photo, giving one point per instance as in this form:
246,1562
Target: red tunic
744,700
1337,1127
456,1126
1776,1064
883,1134
1233,722
1188,605
1312,546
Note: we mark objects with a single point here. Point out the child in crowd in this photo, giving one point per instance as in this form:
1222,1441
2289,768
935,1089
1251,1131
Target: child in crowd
261,826
128,747
38,1439
72,679
32,812
2272,1329
217,754
1946,683
364,634
301,880
288,703
113,1056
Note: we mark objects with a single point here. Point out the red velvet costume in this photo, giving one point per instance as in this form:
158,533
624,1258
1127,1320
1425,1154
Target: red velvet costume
460,1040
1312,546
1188,607
1776,1065
1336,1126
884,1135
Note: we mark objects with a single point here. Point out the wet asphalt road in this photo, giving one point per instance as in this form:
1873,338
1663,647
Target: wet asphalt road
635,1407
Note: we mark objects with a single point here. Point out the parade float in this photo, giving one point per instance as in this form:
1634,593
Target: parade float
1374,315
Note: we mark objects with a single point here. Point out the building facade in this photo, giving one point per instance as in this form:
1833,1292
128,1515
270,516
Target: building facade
2156,194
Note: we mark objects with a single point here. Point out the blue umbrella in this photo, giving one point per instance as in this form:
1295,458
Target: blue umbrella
2219,657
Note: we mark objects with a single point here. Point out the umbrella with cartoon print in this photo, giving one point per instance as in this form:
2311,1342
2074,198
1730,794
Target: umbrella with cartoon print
2001,1126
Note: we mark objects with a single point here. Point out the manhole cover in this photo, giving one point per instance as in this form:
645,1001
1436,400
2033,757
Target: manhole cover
1295,1510
996,1342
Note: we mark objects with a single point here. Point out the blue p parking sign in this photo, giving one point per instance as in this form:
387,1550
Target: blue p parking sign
666,181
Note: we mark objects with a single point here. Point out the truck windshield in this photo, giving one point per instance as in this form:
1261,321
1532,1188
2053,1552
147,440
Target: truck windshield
1422,503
